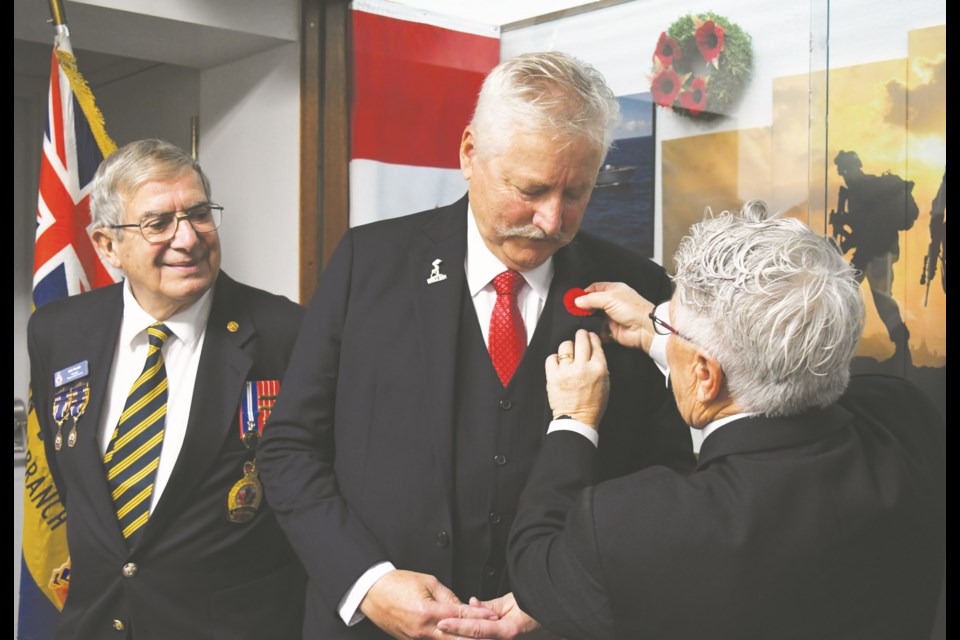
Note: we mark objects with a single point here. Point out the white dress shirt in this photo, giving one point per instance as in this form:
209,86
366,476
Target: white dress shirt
181,355
480,267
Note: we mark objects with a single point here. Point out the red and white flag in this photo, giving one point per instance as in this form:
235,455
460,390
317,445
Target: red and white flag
65,263
416,76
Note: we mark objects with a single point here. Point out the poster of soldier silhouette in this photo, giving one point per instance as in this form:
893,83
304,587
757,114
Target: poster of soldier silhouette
865,164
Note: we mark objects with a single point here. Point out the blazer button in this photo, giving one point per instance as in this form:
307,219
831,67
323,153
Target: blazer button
489,570
130,569
500,459
505,404
118,625
443,539
495,517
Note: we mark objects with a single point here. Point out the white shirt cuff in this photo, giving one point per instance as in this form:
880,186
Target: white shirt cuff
349,608
569,424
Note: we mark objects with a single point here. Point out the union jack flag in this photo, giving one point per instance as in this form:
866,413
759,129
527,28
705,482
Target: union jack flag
65,263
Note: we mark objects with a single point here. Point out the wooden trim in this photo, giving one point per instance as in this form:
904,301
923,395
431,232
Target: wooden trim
335,190
563,13
311,29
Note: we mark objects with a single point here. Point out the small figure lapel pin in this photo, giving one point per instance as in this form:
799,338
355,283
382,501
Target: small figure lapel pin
435,275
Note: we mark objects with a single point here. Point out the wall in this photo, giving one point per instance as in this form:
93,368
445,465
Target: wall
249,147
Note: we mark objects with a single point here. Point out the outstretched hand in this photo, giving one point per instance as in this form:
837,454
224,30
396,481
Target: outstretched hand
512,622
407,604
628,313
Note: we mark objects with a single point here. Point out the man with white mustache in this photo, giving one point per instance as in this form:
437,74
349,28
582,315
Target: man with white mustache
415,404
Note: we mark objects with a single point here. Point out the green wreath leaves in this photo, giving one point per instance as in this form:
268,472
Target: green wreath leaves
701,66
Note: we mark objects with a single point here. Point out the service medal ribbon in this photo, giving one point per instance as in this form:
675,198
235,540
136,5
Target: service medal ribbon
258,400
61,411
79,399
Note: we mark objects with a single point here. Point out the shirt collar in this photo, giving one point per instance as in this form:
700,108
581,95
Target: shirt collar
482,266
716,424
187,325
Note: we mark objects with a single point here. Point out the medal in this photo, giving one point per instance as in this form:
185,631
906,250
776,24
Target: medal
79,398
61,411
245,496
259,398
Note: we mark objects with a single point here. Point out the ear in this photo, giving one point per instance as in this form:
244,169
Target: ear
468,151
708,376
105,242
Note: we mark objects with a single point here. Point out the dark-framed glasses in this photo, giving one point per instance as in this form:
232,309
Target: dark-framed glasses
157,228
663,328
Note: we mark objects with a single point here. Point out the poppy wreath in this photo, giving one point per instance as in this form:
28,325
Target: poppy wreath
701,66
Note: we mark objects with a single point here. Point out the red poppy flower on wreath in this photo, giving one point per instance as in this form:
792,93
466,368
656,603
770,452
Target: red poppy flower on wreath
709,37
694,99
667,50
569,301
665,87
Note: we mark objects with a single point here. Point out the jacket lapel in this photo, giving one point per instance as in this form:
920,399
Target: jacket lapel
222,370
573,268
437,319
100,335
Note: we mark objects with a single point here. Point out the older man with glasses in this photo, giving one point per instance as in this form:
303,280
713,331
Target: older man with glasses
817,507
151,395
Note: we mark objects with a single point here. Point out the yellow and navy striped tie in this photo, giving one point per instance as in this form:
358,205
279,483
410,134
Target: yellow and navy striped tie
133,455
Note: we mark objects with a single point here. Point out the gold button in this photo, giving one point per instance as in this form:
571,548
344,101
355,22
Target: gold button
232,326
118,625
130,570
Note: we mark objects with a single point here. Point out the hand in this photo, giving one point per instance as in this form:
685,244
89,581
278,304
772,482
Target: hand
628,313
512,623
407,604
578,383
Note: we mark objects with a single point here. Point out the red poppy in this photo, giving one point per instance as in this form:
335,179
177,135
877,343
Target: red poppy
569,302
710,40
694,99
667,50
665,86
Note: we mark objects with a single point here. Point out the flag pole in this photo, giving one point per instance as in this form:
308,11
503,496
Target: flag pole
58,16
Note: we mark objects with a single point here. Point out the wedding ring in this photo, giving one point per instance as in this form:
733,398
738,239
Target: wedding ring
564,356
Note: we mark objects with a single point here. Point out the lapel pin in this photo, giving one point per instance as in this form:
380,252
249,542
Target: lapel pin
232,326
569,301
435,275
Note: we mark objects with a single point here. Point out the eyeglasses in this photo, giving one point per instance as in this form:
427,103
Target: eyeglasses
158,228
664,329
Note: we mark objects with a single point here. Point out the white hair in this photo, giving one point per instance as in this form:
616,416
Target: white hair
778,306
128,168
544,92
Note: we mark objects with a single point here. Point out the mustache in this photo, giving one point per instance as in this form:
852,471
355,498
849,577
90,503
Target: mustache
531,232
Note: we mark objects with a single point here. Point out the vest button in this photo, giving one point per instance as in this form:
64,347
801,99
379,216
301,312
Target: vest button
443,539
118,625
500,459
505,404
130,569
495,517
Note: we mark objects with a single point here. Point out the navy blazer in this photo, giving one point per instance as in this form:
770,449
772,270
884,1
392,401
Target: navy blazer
198,574
829,524
358,458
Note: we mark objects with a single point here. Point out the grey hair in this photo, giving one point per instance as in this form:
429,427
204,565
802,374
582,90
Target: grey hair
545,92
778,306
128,168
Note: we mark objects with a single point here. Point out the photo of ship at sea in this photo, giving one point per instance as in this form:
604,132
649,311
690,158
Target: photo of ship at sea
621,208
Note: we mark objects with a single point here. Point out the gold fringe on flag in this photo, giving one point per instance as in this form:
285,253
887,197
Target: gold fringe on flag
85,98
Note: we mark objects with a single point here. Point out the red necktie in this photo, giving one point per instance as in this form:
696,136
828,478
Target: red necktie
508,336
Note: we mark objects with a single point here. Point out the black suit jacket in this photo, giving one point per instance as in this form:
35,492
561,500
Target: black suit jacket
199,575
358,458
828,524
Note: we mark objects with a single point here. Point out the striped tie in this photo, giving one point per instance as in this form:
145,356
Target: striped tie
133,455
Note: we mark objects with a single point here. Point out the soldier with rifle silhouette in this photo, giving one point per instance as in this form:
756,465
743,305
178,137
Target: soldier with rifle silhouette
871,211
937,251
